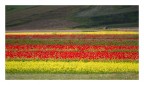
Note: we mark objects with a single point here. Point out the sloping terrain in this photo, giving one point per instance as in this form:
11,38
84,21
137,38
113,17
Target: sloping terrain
69,17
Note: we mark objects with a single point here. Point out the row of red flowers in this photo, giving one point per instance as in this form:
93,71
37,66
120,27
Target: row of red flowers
82,36
42,52
78,47
72,55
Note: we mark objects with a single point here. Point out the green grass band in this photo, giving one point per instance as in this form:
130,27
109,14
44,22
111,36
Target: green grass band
72,41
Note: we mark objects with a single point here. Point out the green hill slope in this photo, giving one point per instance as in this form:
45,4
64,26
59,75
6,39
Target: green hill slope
59,17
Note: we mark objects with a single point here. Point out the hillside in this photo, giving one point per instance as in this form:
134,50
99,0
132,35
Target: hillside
69,17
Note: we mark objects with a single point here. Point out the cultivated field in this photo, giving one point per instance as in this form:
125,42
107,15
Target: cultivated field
72,55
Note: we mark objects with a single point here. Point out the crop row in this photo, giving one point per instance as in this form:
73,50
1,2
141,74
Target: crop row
79,52
69,47
69,33
73,36
73,41
42,55
70,67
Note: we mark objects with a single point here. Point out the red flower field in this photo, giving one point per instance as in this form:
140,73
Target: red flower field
70,51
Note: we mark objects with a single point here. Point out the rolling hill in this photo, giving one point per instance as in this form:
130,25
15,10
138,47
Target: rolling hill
26,17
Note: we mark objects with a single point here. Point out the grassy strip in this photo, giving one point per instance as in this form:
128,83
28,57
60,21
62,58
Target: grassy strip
44,76
75,36
70,67
72,41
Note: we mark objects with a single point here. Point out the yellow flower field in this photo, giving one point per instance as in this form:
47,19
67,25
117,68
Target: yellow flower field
70,67
69,33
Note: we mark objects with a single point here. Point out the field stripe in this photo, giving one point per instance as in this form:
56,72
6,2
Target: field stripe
73,41
69,33
70,67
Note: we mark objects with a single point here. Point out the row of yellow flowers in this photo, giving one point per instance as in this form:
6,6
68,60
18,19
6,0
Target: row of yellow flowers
69,33
70,67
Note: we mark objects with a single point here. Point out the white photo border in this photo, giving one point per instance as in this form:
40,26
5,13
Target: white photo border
72,2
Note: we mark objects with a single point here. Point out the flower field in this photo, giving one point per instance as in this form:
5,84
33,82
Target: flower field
70,67
71,33
72,52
